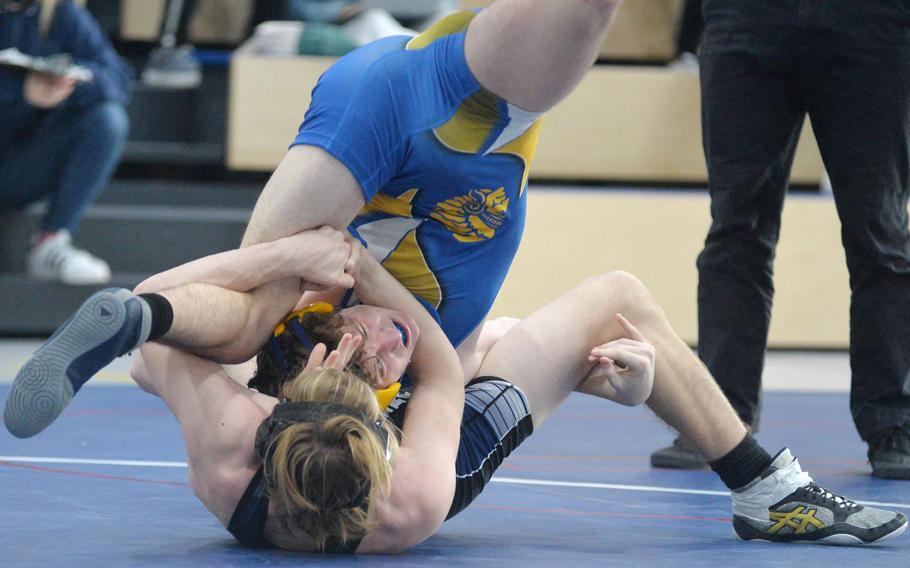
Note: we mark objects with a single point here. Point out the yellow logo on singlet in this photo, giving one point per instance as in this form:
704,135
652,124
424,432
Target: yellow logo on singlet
473,217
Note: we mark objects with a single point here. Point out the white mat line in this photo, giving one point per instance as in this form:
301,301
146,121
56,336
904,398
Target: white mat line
616,486
653,489
80,461
507,480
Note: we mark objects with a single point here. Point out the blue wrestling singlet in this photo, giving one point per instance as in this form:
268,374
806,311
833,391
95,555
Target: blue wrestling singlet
442,163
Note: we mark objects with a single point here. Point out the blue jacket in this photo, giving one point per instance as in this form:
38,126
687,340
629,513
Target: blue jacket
73,31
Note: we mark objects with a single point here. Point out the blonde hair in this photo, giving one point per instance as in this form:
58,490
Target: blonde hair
322,476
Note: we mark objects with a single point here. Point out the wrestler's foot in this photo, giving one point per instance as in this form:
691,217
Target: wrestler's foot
110,323
785,505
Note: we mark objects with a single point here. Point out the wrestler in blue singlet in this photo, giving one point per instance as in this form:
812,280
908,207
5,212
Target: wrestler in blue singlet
443,165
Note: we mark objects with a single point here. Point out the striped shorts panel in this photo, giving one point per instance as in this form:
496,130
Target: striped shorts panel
496,420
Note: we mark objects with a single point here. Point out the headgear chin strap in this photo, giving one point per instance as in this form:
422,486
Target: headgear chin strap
292,321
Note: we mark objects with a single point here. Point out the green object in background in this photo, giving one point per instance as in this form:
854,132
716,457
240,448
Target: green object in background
324,39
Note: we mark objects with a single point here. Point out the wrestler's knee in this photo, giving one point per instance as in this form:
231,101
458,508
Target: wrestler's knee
495,328
139,373
623,291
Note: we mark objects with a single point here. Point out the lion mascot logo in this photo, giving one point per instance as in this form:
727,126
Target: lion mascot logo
473,217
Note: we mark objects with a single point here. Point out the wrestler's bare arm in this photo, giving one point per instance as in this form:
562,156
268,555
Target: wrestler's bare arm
317,257
423,480
218,418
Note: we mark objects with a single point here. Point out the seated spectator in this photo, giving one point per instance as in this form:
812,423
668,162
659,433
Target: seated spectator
61,137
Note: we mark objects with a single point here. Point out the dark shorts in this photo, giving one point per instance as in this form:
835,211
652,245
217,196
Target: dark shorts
496,420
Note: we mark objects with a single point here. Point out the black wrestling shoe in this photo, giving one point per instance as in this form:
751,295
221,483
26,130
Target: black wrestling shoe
678,456
889,453
110,323
785,505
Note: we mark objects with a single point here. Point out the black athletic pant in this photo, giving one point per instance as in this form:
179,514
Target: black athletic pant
765,64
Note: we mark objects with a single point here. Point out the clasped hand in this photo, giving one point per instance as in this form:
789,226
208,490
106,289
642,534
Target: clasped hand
325,258
627,365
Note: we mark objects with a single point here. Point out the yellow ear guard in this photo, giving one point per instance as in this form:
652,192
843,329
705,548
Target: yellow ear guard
292,321
317,308
387,395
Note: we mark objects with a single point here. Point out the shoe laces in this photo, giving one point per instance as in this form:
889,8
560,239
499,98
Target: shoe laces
839,501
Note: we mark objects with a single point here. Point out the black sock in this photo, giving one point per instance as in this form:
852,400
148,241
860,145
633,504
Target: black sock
742,464
162,314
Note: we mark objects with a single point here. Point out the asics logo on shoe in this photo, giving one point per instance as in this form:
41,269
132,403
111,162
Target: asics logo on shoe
796,520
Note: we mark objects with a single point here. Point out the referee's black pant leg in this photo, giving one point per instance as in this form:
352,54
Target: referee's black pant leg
751,120
857,84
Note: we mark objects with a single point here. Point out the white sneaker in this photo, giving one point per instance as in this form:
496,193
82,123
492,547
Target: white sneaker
172,68
784,505
57,259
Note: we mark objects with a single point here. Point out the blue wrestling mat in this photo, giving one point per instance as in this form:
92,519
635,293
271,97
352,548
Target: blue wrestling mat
106,485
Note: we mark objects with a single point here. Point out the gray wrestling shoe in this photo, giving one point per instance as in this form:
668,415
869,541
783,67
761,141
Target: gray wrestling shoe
784,505
889,453
678,456
110,323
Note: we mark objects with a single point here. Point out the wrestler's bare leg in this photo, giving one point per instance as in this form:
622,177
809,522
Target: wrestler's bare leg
546,356
208,319
475,347
309,188
532,53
